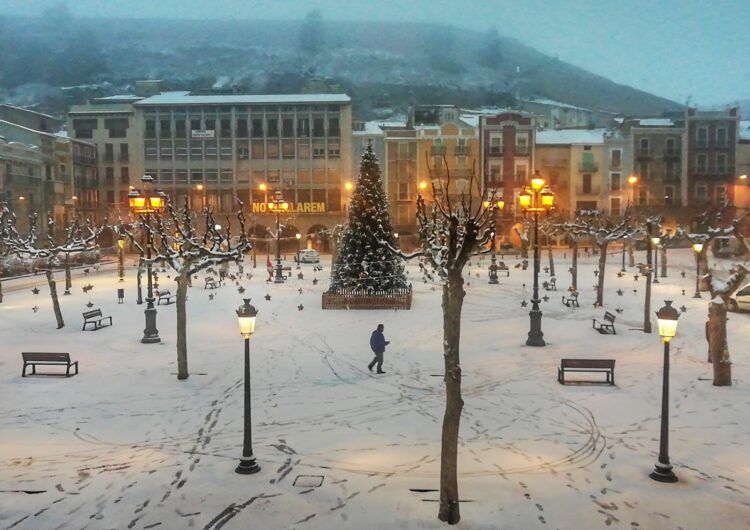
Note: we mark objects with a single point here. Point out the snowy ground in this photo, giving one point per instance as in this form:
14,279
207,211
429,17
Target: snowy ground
126,445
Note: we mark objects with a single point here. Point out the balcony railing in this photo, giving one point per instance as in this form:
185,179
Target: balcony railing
437,150
671,153
588,167
463,150
522,150
615,165
123,158
591,190
554,162
712,170
643,153
496,149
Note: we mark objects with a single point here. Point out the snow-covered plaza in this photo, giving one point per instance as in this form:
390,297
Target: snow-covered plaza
124,444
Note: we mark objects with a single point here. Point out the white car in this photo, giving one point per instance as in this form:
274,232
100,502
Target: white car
309,256
740,301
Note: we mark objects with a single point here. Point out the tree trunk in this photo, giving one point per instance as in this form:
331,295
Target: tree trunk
631,254
703,266
602,262
181,298
717,328
55,301
649,273
453,298
551,257
663,262
1,292
574,271
68,281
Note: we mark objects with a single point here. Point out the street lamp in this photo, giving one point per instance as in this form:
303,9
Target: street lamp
697,247
536,199
246,314
495,205
199,187
120,258
632,180
298,236
667,317
278,206
655,241
144,204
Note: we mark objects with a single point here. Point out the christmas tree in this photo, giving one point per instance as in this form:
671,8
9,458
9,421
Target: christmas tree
362,262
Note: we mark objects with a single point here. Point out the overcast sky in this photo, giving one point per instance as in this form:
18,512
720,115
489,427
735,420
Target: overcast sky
672,48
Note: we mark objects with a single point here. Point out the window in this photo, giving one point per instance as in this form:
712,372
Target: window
522,143
212,175
614,206
615,181
522,172
226,128
225,150
181,176
124,153
586,183
257,131
180,150
165,150
210,151
109,152
643,145
179,129
701,163
287,127
318,131
109,173
272,150
669,195
243,153
241,128
210,124
117,127
195,124
333,150
165,128
196,176
670,147
643,169
721,163
287,149
701,137
496,170
272,127
333,127
721,195
319,151
124,175
110,197
616,158
701,193
84,128
670,170
274,176
642,195
150,129
496,144
196,150
150,151
303,127
403,191
721,137
165,176
258,150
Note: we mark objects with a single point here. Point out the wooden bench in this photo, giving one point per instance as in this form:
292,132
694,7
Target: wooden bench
32,358
550,285
211,283
95,317
605,326
586,365
165,296
502,267
288,271
571,300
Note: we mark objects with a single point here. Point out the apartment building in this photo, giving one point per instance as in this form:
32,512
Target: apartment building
366,133
711,146
21,170
210,149
575,163
618,156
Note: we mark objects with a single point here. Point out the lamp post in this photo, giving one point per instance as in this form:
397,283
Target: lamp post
120,258
144,204
697,248
667,317
536,199
199,187
495,205
655,241
246,314
632,180
278,206
298,236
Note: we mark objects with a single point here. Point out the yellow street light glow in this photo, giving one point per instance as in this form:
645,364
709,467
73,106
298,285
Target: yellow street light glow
632,179
262,186
199,187
537,182
697,247
548,198
524,199
348,186
743,177
423,185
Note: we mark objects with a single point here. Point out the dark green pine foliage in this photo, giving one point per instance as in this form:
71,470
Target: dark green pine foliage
361,261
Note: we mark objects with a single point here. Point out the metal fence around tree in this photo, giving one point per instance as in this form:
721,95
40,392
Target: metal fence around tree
367,299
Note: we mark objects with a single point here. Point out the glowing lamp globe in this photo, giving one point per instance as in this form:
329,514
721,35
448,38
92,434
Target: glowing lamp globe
667,317
246,314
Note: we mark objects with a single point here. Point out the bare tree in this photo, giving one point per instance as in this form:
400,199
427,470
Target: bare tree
450,233
78,238
602,229
177,243
721,290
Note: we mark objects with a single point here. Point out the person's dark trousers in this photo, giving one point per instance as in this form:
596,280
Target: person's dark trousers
379,360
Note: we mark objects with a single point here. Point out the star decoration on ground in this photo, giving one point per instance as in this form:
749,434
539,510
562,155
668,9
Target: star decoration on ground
299,290
35,308
619,309
300,307
211,296
468,284
35,290
545,298
620,274
524,304
683,292
268,296
635,291
240,289
635,278
87,288
89,304
86,271
249,276
315,281
300,276
546,270
596,272
683,309
619,292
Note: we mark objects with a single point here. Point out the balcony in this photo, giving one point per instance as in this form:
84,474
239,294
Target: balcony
615,165
591,190
463,150
554,162
643,153
438,150
496,149
712,170
588,167
522,150
671,153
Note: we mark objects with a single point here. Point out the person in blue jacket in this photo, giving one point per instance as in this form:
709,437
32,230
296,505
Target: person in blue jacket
378,344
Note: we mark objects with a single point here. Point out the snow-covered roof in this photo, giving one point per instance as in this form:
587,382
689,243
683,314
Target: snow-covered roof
392,123
184,98
372,128
745,130
119,98
656,122
570,136
552,103
102,108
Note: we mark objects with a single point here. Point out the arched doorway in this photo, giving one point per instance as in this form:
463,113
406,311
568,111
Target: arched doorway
319,238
